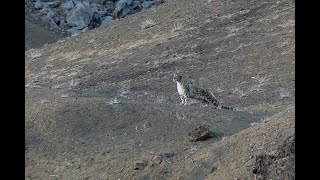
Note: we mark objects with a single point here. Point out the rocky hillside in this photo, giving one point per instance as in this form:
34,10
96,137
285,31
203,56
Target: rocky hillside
72,17
76,16
102,105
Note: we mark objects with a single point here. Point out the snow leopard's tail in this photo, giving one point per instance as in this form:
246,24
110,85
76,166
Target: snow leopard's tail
227,107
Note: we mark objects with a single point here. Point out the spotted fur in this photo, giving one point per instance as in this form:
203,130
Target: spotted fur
188,90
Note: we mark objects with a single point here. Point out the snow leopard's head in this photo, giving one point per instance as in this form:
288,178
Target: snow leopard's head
177,77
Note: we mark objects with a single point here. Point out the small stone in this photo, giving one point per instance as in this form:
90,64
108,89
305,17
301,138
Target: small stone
167,155
156,160
214,168
140,165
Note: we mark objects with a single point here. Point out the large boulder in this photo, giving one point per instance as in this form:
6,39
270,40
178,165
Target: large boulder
80,16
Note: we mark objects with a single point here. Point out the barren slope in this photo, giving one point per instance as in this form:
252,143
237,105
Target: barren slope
36,36
98,102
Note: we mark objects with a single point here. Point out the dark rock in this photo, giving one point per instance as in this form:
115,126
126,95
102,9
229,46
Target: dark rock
140,165
199,134
168,155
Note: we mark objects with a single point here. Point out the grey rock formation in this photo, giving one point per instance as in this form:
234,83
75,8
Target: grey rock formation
79,17
73,15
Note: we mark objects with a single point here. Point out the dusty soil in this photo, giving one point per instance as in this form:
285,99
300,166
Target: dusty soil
100,102
36,36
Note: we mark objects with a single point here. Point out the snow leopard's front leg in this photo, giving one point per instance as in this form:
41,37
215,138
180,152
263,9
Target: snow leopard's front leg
186,100
182,100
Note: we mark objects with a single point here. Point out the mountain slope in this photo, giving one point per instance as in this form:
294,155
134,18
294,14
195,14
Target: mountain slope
98,102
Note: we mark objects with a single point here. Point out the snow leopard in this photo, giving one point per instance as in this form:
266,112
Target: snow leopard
189,90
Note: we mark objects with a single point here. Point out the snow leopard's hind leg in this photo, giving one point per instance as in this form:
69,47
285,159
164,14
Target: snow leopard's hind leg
213,100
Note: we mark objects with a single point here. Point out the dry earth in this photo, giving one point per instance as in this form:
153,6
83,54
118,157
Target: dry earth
101,101
37,36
